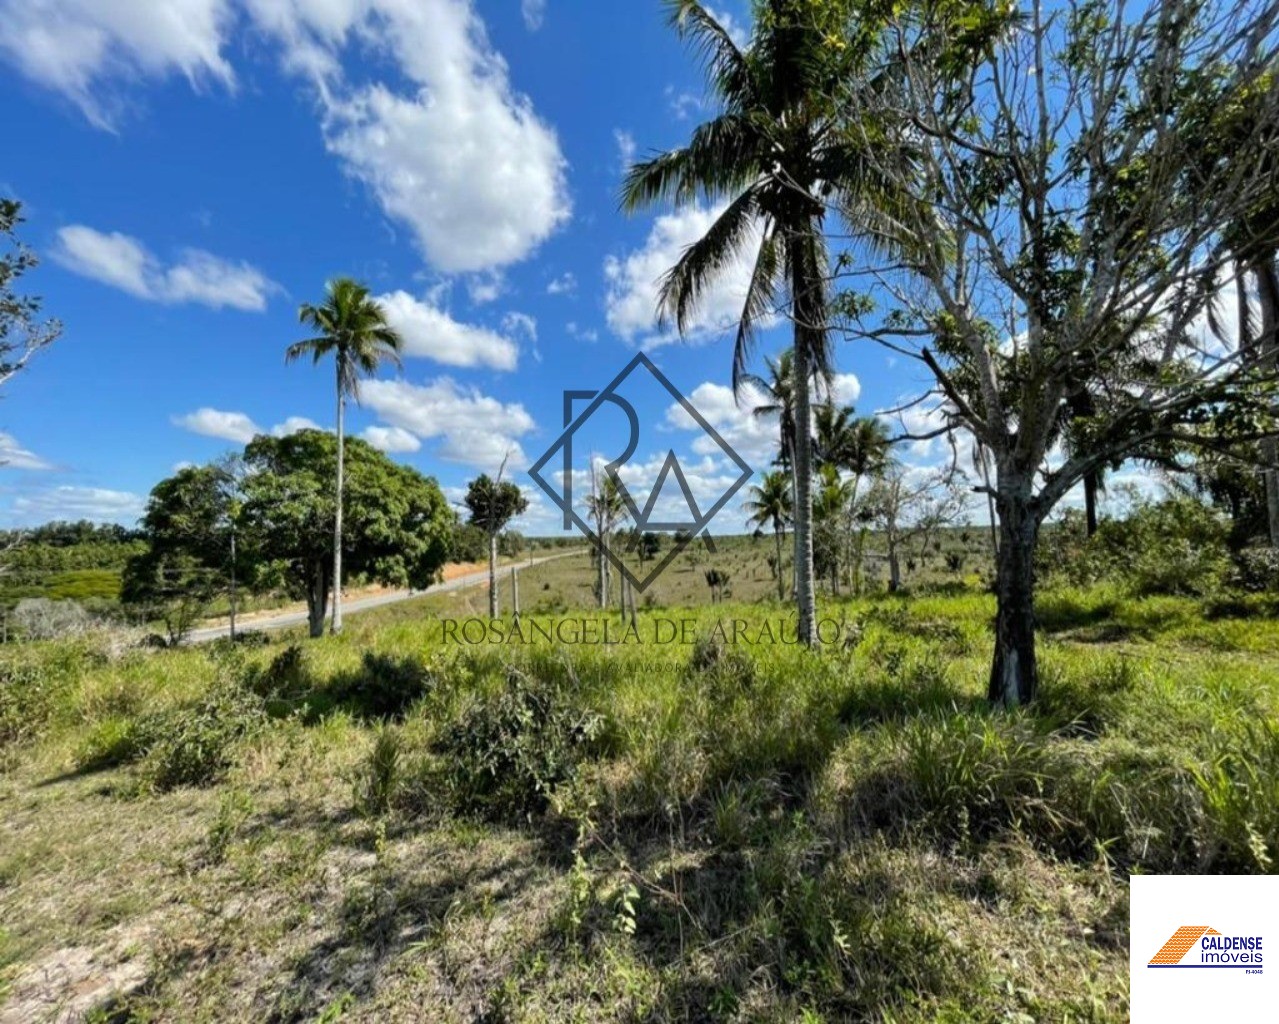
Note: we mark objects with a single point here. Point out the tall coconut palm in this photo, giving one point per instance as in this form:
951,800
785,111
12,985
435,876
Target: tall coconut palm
353,328
770,505
773,155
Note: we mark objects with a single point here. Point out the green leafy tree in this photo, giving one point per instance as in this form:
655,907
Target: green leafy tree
773,153
187,561
22,334
770,505
352,328
493,504
397,529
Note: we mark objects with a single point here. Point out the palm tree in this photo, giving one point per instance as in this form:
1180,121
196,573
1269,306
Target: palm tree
857,445
834,506
606,507
352,327
770,504
775,153
779,400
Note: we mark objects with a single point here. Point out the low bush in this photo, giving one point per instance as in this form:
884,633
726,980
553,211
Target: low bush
1239,786
507,753
385,687
39,618
1176,546
285,677
195,744
1257,570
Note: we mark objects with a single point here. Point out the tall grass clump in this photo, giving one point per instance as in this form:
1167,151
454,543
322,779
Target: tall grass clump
1239,786
378,778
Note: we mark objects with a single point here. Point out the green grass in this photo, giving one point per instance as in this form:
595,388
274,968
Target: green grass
382,825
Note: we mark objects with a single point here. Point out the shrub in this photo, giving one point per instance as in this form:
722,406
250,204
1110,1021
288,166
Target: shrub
195,744
386,686
113,741
506,754
726,668
1176,546
286,677
1240,791
1257,570
34,689
42,619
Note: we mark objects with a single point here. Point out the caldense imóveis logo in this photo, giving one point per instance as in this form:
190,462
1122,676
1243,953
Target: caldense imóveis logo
1199,945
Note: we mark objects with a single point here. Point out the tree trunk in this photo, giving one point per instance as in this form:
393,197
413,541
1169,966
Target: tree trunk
1090,501
1268,293
805,600
781,586
1014,672
317,598
233,594
894,567
492,575
336,626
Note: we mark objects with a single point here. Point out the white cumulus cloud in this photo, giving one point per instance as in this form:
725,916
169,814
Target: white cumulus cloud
292,425
237,426
71,503
431,333
84,49
470,427
391,439
229,426
455,152
633,282
14,456
123,262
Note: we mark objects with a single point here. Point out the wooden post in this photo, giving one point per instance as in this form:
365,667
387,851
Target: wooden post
515,591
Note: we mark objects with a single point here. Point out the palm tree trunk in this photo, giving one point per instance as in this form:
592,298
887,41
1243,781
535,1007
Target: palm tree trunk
781,586
336,626
805,599
492,575
806,311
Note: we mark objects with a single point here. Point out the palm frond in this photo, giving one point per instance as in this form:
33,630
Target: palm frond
702,262
761,294
727,66
723,156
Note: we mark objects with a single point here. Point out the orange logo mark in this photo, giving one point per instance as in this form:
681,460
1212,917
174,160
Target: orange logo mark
1181,942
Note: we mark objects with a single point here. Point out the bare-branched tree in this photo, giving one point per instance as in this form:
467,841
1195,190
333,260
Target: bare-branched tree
1067,234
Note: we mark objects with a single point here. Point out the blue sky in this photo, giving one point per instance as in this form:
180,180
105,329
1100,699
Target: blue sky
192,170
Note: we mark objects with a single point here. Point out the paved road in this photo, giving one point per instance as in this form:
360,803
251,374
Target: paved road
286,619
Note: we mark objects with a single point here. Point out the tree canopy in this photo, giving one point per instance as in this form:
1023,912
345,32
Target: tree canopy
396,530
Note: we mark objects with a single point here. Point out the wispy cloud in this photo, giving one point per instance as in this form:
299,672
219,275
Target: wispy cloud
197,276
